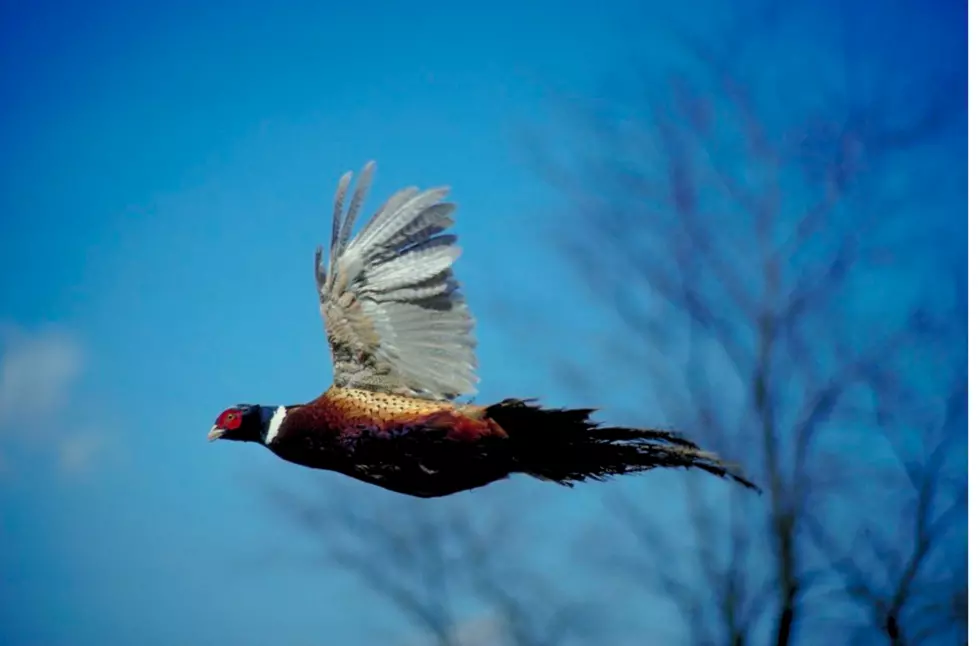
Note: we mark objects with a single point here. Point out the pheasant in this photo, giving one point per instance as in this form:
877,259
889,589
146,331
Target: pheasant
401,337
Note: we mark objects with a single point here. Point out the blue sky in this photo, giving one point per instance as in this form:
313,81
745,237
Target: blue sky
165,174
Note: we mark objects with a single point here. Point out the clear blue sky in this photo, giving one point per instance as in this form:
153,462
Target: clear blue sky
166,171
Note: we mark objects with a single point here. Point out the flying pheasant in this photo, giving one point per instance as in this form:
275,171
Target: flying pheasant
401,338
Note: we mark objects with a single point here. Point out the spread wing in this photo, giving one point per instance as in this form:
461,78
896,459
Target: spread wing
395,318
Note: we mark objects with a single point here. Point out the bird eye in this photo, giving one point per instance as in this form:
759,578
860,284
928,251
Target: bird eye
230,416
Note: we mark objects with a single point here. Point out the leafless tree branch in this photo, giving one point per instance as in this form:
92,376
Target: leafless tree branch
755,235
425,560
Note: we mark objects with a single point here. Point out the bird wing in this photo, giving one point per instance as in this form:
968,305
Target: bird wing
395,318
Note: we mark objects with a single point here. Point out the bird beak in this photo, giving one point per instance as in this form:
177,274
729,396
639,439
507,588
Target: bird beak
215,433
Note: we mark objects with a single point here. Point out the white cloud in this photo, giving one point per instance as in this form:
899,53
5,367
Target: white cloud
78,451
37,372
485,630
482,631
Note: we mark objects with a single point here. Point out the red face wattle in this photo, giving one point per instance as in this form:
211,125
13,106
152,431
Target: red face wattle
229,420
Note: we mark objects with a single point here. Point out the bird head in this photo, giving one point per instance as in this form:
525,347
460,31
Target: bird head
243,423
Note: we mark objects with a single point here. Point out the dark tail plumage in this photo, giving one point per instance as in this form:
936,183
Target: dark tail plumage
566,446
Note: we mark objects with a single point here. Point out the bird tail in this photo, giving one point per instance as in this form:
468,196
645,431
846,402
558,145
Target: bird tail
566,446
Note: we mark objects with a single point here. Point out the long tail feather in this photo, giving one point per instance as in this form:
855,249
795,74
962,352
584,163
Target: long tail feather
566,446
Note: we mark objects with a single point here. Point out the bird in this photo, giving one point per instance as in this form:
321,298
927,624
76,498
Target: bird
402,341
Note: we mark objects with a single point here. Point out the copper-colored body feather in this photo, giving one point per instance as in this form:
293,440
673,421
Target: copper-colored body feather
356,403
428,448
353,412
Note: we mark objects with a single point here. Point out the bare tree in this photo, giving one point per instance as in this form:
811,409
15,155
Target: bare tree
454,569
908,567
740,244
891,578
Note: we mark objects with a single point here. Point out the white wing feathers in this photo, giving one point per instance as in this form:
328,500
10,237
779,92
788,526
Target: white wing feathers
395,318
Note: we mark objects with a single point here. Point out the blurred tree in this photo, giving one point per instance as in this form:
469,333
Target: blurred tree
771,251
457,571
